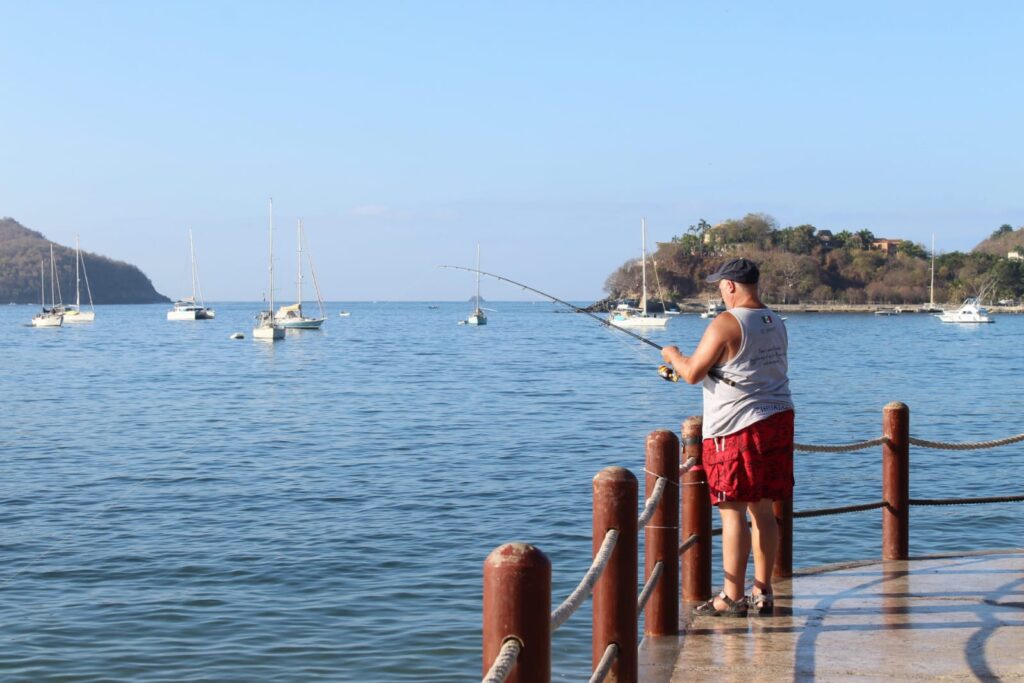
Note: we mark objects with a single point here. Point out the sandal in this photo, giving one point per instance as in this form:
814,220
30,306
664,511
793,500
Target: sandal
735,608
762,603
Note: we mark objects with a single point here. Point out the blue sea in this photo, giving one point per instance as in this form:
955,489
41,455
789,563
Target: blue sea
179,506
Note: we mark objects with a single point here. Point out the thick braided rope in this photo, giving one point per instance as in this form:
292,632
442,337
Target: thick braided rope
572,603
652,503
923,443
838,511
652,580
604,667
966,501
688,542
504,662
967,445
839,448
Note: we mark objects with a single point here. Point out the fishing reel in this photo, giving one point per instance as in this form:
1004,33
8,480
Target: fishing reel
668,373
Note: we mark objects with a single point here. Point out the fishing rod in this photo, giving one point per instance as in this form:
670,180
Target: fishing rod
665,371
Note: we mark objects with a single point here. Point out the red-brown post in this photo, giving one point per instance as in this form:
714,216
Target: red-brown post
784,517
615,594
696,517
661,535
896,481
517,604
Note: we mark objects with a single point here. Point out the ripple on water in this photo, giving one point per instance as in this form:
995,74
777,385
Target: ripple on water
226,511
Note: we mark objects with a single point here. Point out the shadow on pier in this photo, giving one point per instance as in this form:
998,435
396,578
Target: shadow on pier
947,618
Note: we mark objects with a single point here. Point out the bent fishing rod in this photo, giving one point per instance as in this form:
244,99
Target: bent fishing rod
666,372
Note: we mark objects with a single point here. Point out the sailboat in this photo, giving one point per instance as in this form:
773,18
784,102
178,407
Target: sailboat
478,317
73,313
47,317
930,307
266,327
192,308
291,317
639,317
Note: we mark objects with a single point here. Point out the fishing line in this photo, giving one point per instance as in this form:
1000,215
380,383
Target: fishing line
666,372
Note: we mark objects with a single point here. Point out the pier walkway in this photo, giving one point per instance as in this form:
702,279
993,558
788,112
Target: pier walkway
953,617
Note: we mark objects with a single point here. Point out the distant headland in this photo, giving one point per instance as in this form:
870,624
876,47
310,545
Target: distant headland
805,264
111,282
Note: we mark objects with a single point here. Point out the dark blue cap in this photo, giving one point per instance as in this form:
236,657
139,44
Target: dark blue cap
738,270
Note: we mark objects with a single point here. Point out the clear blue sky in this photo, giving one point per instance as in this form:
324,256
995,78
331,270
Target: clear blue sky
405,133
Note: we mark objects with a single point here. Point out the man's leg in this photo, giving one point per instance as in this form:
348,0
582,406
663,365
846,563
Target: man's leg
735,548
766,543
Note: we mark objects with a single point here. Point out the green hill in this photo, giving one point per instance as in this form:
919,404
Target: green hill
804,264
111,282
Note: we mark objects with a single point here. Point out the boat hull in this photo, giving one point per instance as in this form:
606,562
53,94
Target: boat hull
303,324
476,320
268,333
640,322
47,321
79,316
191,314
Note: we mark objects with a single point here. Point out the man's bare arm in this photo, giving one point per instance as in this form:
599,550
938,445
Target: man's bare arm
713,348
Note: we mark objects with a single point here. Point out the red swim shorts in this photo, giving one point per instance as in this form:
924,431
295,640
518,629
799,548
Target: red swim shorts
753,463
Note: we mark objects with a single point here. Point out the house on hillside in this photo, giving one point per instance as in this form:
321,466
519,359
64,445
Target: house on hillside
824,238
1015,256
886,246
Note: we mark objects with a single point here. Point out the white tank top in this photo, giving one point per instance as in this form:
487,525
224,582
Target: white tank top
758,385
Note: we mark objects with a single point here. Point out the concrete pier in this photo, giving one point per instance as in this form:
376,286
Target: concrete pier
938,618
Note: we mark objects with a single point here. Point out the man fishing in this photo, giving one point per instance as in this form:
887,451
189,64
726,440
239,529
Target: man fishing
748,432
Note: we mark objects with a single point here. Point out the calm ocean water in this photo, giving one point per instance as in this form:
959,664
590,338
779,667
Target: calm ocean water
177,506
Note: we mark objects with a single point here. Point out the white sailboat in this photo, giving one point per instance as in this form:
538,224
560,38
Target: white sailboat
639,317
266,327
291,317
192,308
47,317
478,317
73,313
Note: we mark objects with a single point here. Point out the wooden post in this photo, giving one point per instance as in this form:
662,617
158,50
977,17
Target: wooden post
896,482
661,535
784,518
517,603
615,594
696,517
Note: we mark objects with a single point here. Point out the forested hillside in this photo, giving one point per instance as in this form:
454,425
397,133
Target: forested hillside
804,264
111,282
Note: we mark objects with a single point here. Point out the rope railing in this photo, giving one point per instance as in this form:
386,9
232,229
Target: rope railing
652,503
604,667
966,445
572,603
504,662
966,501
805,514
652,580
688,465
692,540
923,443
839,448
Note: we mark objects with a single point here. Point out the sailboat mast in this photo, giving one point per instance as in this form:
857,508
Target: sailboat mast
931,289
192,260
643,264
477,276
42,285
78,280
271,212
53,292
298,298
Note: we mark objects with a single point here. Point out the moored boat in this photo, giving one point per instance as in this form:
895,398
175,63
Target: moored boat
193,307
